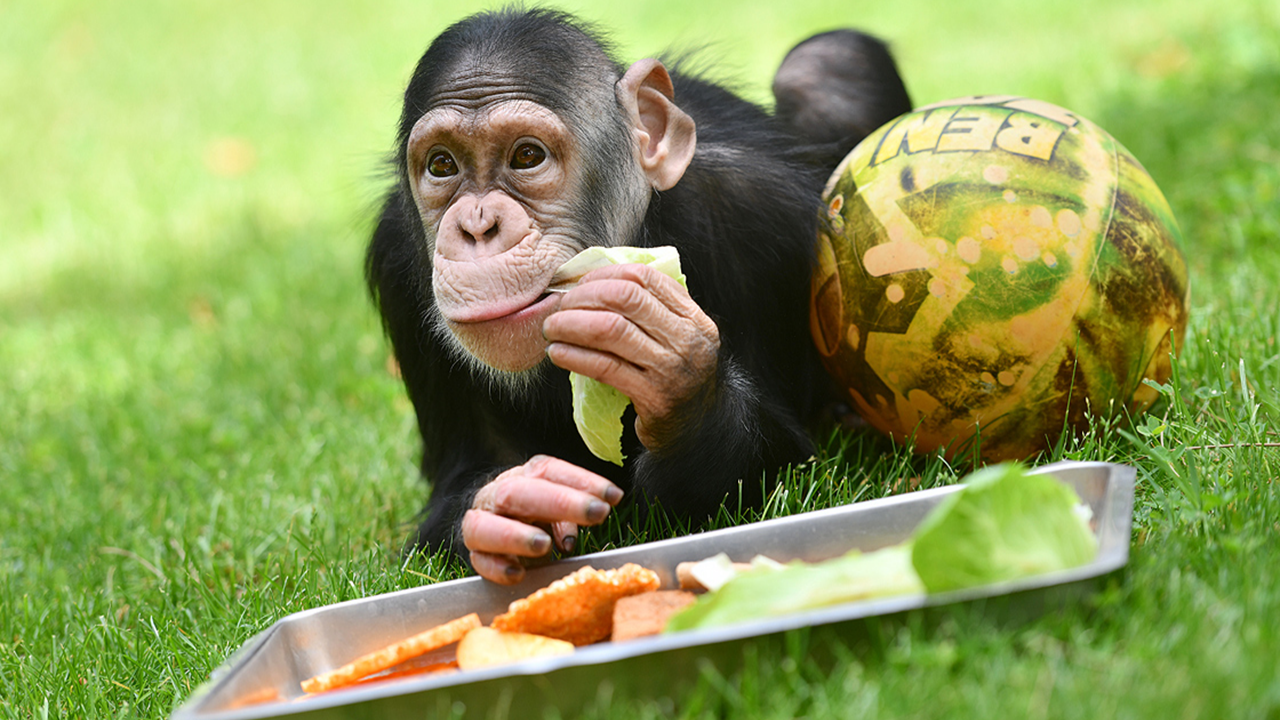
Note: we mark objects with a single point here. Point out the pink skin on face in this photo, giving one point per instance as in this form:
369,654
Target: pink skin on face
512,341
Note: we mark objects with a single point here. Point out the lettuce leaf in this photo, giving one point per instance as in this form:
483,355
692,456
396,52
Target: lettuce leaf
597,407
797,586
665,259
597,411
1005,524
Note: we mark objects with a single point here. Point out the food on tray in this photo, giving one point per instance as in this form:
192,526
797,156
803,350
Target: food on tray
485,646
574,610
647,613
393,654
408,669
715,571
765,591
579,606
429,663
1004,524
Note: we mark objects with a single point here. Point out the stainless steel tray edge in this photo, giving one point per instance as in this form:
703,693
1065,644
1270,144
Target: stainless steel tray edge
1112,515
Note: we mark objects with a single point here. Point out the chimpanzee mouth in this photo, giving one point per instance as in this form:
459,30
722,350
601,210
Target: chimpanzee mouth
562,286
535,307
506,311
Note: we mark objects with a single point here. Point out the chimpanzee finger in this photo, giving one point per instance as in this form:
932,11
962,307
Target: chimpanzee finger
497,568
627,374
663,383
485,532
604,332
566,473
645,316
565,535
627,319
607,368
648,297
534,499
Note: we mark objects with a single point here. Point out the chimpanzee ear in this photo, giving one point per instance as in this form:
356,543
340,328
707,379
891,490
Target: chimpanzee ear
665,136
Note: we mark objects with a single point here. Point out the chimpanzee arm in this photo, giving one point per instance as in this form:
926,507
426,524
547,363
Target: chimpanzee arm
727,454
745,220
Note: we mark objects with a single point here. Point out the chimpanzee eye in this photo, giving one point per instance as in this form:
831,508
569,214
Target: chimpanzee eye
527,156
441,164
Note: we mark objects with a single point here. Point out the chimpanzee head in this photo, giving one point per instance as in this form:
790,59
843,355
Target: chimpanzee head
521,144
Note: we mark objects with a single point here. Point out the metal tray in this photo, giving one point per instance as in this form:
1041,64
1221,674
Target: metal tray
303,644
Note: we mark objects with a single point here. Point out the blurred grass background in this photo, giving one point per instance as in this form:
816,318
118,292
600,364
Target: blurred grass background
199,434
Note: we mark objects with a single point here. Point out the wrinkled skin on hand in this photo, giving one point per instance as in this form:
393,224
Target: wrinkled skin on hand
526,509
637,329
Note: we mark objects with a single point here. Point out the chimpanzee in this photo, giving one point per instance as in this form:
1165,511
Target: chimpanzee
521,143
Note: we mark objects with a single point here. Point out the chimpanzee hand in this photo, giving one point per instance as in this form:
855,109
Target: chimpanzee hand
634,328
510,516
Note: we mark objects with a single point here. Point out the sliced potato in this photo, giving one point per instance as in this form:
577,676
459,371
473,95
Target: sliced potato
483,647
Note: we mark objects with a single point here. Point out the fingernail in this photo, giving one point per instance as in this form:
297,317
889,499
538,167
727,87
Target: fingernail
514,572
613,495
568,543
540,543
596,511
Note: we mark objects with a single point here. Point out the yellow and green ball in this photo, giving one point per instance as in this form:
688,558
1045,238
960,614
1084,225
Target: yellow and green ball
996,270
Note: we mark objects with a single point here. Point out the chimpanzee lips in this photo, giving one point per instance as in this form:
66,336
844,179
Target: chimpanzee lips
516,309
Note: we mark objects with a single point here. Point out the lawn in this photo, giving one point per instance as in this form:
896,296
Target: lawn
199,431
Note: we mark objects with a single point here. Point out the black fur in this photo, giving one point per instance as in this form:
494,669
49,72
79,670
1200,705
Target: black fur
744,217
836,88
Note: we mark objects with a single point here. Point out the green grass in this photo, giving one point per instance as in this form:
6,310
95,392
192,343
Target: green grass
199,435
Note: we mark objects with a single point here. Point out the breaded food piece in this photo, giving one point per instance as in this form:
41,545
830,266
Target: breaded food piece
578,607
647,613
484,647
394,654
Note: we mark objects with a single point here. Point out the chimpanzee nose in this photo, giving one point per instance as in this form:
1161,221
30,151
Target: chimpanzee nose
482,224
475,228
